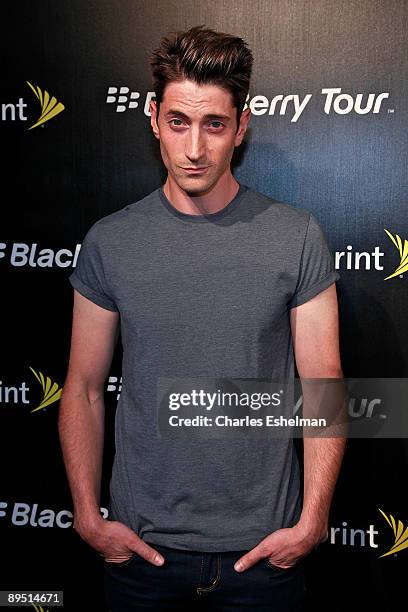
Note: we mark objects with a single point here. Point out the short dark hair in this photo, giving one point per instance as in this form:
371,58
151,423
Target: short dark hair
206,57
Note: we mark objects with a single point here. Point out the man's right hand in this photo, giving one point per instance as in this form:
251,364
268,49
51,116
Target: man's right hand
115,541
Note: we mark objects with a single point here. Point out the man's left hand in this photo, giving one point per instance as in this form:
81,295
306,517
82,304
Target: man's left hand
284,547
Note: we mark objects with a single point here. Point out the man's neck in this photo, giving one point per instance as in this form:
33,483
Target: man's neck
215,200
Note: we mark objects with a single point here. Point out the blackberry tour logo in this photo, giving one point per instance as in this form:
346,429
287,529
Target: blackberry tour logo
332,101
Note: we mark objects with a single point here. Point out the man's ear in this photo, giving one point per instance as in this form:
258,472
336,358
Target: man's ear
243,125
153,118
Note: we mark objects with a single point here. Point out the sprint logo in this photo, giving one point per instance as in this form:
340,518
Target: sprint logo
403,253
51,392
120,96
350,259
50,107
367,538
400,535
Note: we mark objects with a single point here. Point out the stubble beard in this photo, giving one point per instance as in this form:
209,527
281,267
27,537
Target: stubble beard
195,187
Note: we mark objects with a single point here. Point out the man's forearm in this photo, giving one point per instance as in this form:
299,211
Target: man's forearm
325,397
322,462
81,429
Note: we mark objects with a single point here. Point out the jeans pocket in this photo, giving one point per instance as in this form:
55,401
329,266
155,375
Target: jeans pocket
132,557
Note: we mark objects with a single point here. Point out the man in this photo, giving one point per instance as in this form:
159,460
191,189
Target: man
207,278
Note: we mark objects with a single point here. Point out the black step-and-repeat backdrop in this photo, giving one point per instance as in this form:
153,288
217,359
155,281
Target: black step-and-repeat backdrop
328,133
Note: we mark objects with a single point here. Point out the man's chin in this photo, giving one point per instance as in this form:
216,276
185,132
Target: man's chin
196,187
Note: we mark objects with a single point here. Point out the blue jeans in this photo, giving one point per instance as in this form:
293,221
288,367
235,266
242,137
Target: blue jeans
193,580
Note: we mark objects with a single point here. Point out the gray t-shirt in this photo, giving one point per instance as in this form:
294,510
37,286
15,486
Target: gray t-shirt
202,296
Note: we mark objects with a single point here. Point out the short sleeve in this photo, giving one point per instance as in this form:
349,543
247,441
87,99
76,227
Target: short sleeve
317,270
88,276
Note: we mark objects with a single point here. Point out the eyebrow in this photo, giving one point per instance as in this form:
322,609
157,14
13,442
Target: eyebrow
208,116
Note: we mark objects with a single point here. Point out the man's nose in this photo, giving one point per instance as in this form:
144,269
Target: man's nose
195,145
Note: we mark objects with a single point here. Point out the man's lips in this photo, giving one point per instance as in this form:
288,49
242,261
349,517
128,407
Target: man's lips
199,170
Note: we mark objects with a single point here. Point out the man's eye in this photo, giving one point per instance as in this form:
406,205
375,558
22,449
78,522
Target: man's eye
216,124
176,124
